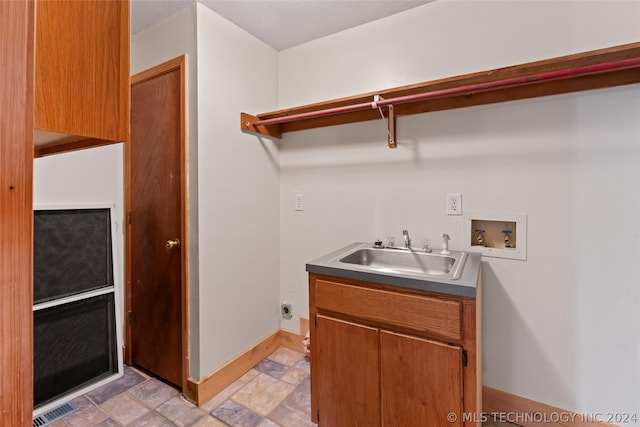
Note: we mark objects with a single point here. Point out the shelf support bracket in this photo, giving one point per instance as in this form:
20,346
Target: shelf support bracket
392,142
390,124
247,124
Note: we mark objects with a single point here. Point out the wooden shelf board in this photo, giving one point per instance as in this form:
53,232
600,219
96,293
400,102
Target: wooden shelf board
65,143
533,89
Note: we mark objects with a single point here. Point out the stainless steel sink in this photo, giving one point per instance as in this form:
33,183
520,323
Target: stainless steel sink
455,273
403,261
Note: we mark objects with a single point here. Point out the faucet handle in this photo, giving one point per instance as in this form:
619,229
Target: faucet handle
445,244
407,239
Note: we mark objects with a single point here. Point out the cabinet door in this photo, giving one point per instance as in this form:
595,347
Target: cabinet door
421,382
82,68
347,374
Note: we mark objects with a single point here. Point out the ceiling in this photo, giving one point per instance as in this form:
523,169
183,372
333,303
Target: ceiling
279,23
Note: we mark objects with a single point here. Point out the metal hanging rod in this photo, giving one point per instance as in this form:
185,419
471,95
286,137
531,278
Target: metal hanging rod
460,90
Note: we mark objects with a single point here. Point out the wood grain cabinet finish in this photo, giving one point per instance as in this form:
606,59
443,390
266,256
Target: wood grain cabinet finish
82,68
420,381
16,218
387,356
348,352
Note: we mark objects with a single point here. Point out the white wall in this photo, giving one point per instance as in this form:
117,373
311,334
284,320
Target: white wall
82,178
165,40
239,192
234,208
562,326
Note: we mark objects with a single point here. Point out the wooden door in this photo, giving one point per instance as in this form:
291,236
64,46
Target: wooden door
157,229
347,383
16,208
421,382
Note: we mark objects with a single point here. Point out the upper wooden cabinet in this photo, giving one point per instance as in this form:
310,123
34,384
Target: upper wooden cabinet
81,73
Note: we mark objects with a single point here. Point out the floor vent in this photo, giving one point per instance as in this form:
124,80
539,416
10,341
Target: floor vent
54,414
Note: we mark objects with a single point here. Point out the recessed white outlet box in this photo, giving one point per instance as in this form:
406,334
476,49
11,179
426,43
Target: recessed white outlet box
286,309
454,204
299,201
499,235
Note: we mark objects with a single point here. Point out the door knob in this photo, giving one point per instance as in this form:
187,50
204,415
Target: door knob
173,243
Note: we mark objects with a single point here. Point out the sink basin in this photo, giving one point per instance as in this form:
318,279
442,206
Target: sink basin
403,261
455,273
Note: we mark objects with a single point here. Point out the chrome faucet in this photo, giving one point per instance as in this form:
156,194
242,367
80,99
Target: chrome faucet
407,240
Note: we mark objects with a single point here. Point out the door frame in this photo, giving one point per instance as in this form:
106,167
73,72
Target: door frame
180,64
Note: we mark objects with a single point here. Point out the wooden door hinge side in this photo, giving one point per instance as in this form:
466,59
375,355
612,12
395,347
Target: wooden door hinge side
465,359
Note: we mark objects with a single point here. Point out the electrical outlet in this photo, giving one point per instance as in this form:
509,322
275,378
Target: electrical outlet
299,201
454,204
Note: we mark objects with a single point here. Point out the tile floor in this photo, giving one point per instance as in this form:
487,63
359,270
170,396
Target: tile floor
275,393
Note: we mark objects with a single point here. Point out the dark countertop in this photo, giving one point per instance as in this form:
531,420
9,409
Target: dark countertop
465,286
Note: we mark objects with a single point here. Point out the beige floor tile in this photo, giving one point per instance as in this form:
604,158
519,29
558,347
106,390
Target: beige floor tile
124,408
287,416
248,376
151,419
180,412
263,394
108,423
266,422
83,403
286,356
140,372
152,393
208,421
283,402
304,364
294,376
88,417
232,389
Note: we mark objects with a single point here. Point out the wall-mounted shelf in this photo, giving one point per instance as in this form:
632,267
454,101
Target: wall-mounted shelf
47,143
614,66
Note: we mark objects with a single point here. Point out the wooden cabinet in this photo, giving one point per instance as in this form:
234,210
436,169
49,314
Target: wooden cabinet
387,356
420,381
81,73
81,51
16,220
348,353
